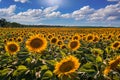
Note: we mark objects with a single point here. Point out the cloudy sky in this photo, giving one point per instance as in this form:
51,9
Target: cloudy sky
62,12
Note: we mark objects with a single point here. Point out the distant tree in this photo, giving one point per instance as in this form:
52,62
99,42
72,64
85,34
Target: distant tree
3,22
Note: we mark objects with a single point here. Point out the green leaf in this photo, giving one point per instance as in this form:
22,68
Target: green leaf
22,67
108,50
47,75
62,53
99,59
51,62
44,67
4,72
88,68
28,60
20,70
90,57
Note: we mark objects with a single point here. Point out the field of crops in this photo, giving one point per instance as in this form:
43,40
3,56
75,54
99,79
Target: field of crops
59,53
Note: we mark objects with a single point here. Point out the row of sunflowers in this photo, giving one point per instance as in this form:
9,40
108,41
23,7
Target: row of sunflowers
60,53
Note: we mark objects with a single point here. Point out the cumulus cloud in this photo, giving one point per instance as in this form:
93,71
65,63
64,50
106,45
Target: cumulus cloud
82,13
7,12
36,15
22,1
79,14
110,12
86,13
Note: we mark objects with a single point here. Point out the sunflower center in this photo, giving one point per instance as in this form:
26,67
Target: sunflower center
73,44
109,36
116,45
59,42
36,43
54,40
90,37
67,66
12,47
75,38
19,40
63,47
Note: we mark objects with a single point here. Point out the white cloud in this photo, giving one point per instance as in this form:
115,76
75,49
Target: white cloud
50,9
0,0
82,13
7,12
86,13
53,14
110,12
67,15
36,15
113,0
79,14
22,1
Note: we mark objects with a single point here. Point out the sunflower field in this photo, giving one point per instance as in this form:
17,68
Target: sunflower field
59,53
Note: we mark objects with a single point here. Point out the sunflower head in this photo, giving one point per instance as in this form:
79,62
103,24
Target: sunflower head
36,43
66,66
63,46
115,45
114,63
19,39
76,37
74,45
90,37
96,39
12,47
53,40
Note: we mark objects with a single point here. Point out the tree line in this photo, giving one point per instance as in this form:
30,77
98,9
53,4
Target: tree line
6,24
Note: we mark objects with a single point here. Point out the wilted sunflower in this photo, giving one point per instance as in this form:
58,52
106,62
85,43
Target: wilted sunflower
74,44
115,45
12,47
66,66
36,43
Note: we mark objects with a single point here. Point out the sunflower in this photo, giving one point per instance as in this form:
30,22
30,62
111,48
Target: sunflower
110,36
74,45
19,39
66,66
63,46
60,42
53,40
96,39
76,37
36,43
112,65
12,47
90,37
115,45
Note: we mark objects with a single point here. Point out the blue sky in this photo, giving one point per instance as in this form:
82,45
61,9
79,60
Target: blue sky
62,12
